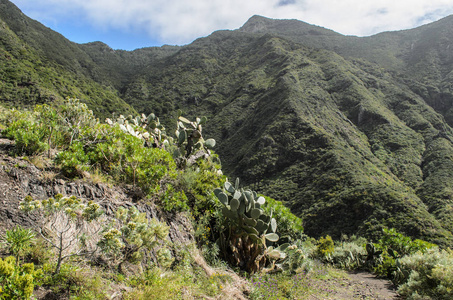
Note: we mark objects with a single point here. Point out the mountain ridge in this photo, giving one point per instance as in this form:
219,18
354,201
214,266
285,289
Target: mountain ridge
354,134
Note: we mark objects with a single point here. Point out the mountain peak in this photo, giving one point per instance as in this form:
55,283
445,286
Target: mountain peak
260,24
256,24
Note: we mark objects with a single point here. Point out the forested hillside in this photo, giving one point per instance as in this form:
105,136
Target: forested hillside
345,142
353,134
266,159
38,65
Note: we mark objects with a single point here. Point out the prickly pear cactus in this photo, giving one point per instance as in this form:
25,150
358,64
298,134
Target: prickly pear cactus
249,231
190,142
147,128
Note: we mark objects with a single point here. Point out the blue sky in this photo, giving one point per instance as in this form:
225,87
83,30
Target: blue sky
131,24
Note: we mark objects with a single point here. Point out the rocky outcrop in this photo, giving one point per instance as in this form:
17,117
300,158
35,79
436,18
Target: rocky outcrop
19,178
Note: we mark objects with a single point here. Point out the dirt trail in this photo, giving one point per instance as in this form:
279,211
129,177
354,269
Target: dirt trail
361,285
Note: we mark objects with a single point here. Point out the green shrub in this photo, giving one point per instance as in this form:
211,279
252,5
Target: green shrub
18,240
199,181
392,246
349,256
131,234
73,161
28,135
17,282
325,247
399,245
78,282
49,127
386,266
427,275
172,200
125,158
40,252
118,154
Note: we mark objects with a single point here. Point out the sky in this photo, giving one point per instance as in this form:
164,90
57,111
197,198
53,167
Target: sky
132,24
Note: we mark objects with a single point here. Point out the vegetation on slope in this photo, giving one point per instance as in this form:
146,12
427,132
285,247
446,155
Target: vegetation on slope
38,65
351,133
227,222
335,139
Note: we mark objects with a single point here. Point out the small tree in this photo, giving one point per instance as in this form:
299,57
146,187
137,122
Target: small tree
66,225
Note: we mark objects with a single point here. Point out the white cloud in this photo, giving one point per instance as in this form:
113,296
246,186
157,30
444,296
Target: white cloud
181,21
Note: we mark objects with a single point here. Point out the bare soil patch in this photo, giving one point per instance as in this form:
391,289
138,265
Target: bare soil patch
361,285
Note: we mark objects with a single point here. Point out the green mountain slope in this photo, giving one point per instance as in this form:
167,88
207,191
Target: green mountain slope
38,65
119,66
343,141
421,57
352,133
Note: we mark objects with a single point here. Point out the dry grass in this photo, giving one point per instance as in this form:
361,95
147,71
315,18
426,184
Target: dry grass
95,177
47,176
40,162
